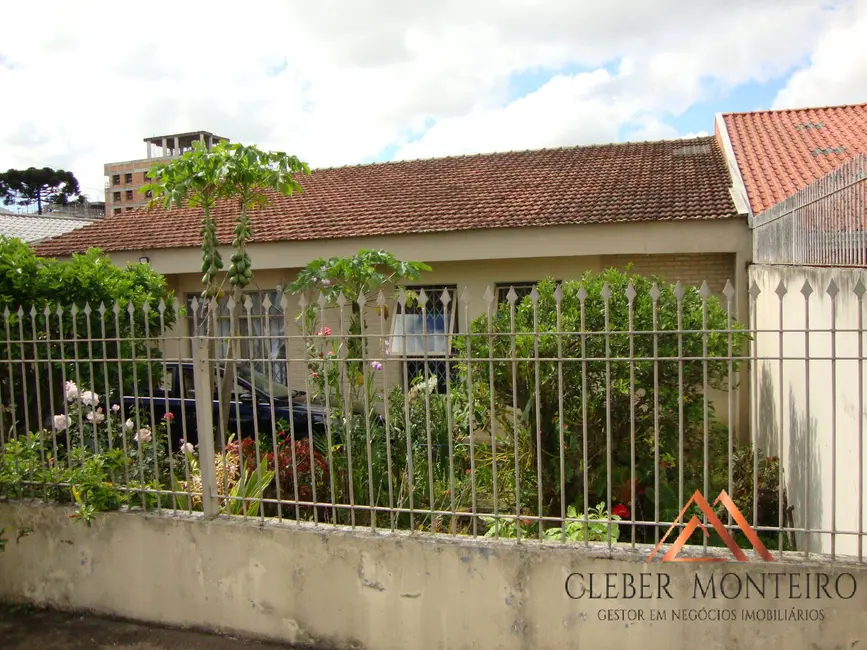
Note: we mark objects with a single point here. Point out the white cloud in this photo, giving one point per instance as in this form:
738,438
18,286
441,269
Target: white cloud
339,81
837,72
566,109
651,128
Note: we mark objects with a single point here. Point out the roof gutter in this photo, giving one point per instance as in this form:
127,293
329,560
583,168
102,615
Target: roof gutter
738,190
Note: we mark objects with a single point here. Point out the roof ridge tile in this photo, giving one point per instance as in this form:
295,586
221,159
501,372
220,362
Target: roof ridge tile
794,110
507,152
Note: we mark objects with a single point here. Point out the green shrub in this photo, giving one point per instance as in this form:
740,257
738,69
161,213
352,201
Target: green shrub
599,392
34,284
596,529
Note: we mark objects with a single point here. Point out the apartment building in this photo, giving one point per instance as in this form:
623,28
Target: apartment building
125,179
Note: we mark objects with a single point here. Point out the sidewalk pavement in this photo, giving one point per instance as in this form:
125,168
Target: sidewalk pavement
24,628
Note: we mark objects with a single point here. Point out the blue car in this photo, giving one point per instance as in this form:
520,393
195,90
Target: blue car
177,396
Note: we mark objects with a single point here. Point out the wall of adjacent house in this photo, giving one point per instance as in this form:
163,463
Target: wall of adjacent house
807,403
691,269
685,250
471,279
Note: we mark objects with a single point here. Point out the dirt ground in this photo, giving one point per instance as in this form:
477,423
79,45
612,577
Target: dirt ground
25,628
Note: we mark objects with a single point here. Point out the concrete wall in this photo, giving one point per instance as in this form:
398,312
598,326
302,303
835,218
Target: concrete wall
801,414
339,589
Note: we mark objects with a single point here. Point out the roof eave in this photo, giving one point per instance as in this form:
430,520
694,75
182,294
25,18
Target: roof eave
738,189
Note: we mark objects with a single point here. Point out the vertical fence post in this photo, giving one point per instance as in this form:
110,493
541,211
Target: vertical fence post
205,424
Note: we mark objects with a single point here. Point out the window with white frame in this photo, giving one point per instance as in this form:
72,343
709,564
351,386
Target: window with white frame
422,334
262,335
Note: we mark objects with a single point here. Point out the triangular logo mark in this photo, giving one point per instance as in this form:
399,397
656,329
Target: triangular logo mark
722,531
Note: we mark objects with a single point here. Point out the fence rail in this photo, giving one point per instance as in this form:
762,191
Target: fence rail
824,224
577,413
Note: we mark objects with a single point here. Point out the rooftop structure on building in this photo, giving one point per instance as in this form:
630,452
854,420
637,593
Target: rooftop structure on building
175,144
125,179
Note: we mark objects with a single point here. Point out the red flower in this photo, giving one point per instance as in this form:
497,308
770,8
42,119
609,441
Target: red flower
621,511
246,448
302,465
169,417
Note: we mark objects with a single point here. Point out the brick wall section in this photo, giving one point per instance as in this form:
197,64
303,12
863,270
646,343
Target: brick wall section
716,269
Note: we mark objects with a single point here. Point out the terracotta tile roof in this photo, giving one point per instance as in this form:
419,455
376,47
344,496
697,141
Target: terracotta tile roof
780,152
668,180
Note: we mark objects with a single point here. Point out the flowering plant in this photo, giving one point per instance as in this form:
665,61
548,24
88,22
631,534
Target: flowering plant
89,423
305,468
339,367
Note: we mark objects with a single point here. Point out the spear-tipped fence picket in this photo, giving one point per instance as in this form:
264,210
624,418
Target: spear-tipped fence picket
573,413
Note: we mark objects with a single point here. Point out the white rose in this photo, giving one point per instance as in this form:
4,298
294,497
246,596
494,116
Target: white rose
71,391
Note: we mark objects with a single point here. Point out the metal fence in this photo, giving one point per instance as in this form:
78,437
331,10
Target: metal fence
579,412
824,224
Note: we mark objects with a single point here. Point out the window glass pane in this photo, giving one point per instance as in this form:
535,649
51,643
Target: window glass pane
255,341
417,335
275,298
409,331
276,326
188,383
432,370
522,290
260,379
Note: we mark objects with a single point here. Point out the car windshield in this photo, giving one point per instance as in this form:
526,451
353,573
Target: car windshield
264,384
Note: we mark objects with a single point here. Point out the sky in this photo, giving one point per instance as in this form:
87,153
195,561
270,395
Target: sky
341,82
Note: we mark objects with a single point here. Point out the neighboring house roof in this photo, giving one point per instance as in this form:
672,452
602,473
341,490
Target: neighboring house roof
780,152
647,181
33,228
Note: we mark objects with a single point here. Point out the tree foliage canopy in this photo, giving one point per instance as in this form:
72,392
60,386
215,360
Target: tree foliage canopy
40,186
366,273
242,174
235,172
45,304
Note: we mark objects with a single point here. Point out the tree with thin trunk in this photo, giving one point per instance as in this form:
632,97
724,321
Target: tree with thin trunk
25,187
245,177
